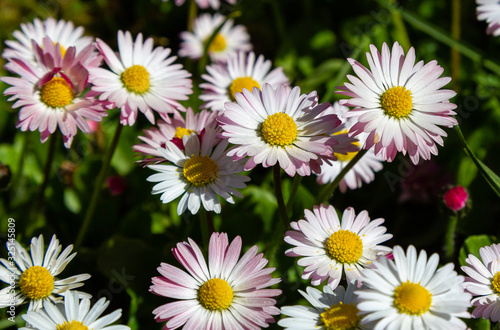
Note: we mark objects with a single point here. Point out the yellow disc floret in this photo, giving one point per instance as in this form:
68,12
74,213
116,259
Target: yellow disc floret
279,129
350,155
344,246
73,325
136,79
412,298
241,83
181,131
57,93
495,283
218,44
397,102
200,170
341,317
215,294
36,282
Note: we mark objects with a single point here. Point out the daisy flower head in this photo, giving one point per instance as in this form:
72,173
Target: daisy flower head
364,169
199,173
483,282
410,292
34,276
328,247
399,104
50,91
330,310
156,137
74,314
204,4
140,78
228,293
229,40
279,126
489,11
60,32
242,70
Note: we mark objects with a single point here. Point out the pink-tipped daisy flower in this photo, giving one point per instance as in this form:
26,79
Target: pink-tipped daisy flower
227,293
329,247
489,11
49,92
365,168
140,78
279,126
242,70
157,137
399,104
483,282
229,40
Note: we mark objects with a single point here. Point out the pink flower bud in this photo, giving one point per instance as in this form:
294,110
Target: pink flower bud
116,185
456,198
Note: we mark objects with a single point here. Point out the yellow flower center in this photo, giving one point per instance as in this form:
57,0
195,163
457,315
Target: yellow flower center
181,131
218,44
74,325
412,298
36,282
215,294
136,79
350,155
279,129
241,83
200,170
496,282
57,93
397,102
344,246
341,317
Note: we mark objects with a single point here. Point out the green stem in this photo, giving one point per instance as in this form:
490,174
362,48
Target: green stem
399,27
449,248
193,10
279,195
295,187
204,226
39,201
98,186
329,189
455,54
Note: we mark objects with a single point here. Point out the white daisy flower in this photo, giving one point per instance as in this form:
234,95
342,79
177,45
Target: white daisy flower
73,314
411,293
204,4
363,171
240,71
483,282
331,310
327,247
489,11
34,276
60,32
228,40
199,173
279,126
399,103
140,79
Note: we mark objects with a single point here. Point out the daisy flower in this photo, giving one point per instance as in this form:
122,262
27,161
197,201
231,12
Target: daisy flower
483,282
35,276
489,11
399,103
140,78
156,137
199,173
329,247
204,4
411,293
330,310
364,169
279,125
60,32
73,314
49,92
228,293
228,40
240,71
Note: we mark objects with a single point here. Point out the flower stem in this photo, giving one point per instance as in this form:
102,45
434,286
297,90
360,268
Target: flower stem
204,226
193,9
98,186
46,173
449,248
279,195
455,54
328,190
293,193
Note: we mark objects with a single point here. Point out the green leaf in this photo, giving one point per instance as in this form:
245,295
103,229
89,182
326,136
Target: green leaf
472,244
479,324
323,40
72,201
